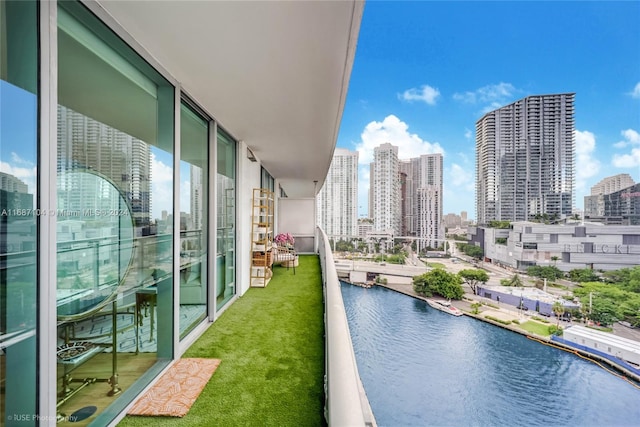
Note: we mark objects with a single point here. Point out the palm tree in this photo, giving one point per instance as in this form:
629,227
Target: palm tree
515,281
555,259
558,310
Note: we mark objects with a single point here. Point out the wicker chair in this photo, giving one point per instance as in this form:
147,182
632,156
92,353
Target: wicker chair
285,256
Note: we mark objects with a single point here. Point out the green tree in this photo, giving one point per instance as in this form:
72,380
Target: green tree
558,310
499,224
475,307
546,272
439,282
583,275
514,281
555,259
610,301
344,246
618,276
473,278
603,311
473,251
633,280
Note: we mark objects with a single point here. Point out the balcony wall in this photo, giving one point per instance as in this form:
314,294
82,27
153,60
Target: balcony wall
346,401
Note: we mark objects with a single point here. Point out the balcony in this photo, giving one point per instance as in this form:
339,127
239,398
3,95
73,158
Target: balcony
272,346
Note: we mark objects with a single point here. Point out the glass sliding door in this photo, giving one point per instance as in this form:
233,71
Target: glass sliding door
266,180
18,214
114,218
226,219
194,199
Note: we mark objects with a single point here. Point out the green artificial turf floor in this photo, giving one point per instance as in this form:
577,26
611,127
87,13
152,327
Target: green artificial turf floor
271,344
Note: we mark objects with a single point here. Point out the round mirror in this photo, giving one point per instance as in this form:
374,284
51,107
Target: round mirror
94,242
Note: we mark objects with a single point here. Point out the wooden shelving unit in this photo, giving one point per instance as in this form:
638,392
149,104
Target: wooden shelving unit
261,237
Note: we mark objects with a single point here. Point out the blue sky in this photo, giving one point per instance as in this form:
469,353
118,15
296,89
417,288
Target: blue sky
425,72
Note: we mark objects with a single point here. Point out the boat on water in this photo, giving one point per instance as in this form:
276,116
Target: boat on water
444,306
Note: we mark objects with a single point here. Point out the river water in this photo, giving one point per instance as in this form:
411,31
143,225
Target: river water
422,367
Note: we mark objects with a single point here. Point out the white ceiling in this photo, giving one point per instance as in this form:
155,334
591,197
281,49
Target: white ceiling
273,73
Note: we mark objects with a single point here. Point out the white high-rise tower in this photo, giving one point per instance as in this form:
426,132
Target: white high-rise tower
337,201
385,184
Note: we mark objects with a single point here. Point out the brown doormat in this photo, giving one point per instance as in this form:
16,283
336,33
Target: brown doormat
177,389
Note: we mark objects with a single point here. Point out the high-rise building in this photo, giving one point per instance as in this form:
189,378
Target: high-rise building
594,205
370,204
452,220
385,189
525,159
337,212
197,196
614,207
425,197
612,184
365,225
14,194
123,159
407,195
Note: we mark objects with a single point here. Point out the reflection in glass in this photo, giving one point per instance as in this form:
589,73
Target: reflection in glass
114,225
18,203
194,131
226,218
95,242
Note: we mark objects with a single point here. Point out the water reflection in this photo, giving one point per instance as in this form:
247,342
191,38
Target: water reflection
423,367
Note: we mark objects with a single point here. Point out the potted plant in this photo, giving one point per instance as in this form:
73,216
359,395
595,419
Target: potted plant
284,239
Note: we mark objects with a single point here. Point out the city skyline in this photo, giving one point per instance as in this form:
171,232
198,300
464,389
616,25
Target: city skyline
425,72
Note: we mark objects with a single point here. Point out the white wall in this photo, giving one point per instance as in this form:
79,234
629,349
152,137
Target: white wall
298,217
248,179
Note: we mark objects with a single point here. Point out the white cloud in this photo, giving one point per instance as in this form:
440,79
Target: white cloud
468,134
161,187
635,93
631,137
493,94
15,158
394,131
493,106
631,159
587,166
462,177
627,160
425,94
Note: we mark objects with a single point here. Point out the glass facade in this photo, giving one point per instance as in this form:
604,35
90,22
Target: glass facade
18,215
266,180
120,309
114,228
226,219
194,199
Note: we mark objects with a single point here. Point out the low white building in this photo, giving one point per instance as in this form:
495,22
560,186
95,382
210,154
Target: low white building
622,348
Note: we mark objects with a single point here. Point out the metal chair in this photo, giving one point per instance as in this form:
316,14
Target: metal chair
285,256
